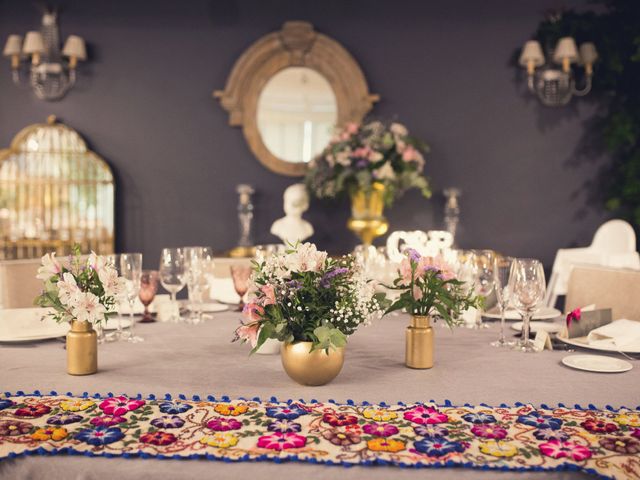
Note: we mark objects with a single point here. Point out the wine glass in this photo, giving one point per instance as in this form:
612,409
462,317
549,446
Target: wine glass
114,260
148,289
173,276
241,275
197,261
131,271
503,294
485,279
527,291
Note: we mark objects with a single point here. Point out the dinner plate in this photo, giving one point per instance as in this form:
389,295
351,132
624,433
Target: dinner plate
19,325
550,327
214,307
582,342
597,363
544,313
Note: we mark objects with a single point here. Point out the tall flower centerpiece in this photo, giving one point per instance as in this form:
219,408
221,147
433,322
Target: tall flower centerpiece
428,288
83,293
374,164
311,303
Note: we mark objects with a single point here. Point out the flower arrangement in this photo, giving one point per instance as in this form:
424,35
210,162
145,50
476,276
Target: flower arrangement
302,295
79,290
360,155
429,287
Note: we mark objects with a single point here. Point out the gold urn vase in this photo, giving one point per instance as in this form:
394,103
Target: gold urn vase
82,349
419,343
367,219
311,368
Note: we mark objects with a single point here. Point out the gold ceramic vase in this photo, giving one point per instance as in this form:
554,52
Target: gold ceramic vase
311,368
82,349
367,214
419,344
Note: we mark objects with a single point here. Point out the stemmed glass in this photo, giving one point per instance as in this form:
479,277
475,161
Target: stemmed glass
148,290
173,276
197,261
485,279
502,271
240,275
527,291
131,271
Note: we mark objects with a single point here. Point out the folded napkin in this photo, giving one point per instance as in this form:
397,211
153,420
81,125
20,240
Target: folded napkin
619,334
222,290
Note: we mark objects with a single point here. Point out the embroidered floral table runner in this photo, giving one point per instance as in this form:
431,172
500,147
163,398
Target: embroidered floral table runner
521,437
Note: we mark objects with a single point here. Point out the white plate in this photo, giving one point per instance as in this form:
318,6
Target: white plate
550,327
544,313
18,325
582,342
597,363
214,307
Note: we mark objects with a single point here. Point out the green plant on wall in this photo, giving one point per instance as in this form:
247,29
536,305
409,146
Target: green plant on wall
615,29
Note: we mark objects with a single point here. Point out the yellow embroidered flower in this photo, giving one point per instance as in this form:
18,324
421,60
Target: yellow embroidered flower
220,440
379,414
49,433
498,448
629,419
76,405
385,445
229,409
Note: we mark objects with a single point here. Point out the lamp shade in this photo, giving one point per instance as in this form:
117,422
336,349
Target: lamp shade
588,53
13,46
531,52
75,47
33,43
566,48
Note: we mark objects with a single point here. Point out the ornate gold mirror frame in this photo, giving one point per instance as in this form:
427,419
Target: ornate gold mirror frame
296,45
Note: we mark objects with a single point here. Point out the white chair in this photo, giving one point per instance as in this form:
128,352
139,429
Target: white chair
613,245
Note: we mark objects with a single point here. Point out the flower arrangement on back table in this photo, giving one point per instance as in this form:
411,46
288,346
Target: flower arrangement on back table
361,155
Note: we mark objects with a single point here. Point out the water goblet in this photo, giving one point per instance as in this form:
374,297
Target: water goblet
114,261
503,295
241,275
527,291
173,276
197,260
485,279
131,271
148,289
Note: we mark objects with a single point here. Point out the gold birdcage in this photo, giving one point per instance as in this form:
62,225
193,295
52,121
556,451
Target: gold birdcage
54,193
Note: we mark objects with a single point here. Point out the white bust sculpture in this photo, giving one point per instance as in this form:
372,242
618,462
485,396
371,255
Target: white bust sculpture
292,227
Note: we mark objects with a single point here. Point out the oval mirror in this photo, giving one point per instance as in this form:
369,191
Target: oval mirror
297,112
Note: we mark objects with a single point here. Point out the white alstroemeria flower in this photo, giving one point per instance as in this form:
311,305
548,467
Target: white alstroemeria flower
344,157
68,289
307,258
96,262
385,172
50,267
113,285
399,130
87,308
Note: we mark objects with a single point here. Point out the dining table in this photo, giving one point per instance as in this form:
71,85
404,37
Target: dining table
200,359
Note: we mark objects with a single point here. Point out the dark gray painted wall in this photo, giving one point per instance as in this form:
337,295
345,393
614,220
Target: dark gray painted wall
442,67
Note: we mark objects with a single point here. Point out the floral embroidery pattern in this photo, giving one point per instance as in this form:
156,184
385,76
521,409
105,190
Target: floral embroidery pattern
605,442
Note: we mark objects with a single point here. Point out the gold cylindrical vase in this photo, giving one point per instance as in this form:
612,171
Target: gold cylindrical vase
82,349
311,368
367,213
419,343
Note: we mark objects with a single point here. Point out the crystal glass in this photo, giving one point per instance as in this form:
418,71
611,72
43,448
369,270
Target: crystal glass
173,276
527,291
148,289
241,275
131,271
117,334
502,271
485,279
198,262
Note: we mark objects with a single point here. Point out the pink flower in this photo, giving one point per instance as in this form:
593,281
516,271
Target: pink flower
282,441
405,271
417,293
487,430
50,267
253,312
409,154
107,420
224,424
118,406
352,128
380,429
248,333
425,415
560,449
269,293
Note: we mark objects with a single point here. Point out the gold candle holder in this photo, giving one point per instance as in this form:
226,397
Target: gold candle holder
419,343
367,220
82,349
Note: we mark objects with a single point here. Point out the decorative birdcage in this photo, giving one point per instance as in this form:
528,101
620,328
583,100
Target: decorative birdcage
54,193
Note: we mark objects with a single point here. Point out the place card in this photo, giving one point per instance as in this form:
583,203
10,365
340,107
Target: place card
542,341
589,321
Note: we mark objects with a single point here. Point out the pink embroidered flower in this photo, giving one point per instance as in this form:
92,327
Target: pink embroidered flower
380,429
339,419
224,424
560,449
428,415
636,433
282,441
599,426
487,430
107,420
33,411
269,293
341,438
118,406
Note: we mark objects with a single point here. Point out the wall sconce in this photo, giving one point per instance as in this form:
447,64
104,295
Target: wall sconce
49,76
555,85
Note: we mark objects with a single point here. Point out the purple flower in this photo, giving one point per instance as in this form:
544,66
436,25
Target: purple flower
224,424
6,403
325,281
362,163
380,429
437,447
284,426
534,419
64,418
174,407
550,434
413,254
100,436
288,412
294,284
167,421
478,418
430,431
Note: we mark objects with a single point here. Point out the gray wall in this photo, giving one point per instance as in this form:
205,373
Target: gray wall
442,67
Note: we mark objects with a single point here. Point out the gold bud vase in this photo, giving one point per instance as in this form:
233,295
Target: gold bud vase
82,349
419,343
311,368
